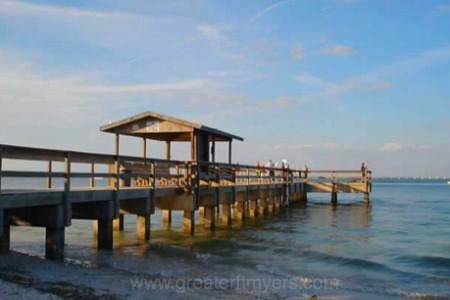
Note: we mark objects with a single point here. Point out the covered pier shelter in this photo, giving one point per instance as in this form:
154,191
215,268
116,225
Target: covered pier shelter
154,126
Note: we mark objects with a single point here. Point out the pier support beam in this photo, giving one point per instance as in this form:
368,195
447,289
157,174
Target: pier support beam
366,198
226,214
143,227
54,243
201,211
167,216
334,198
253,208
285,196
270,205
263,206
303,197
103,233
5,237
189,221
210,217
277,203
239,210
118,223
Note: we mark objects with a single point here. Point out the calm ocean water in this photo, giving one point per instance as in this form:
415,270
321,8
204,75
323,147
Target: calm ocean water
398,247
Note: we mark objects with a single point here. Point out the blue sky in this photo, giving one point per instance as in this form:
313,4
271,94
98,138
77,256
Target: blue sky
328,83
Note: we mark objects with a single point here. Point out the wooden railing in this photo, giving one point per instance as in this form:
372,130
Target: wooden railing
118,170
124,171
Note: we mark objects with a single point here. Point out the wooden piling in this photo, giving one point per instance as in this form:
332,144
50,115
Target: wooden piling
189,221
5,238
143,227
226,214
210,217
103,233
253,208
54,243
167,216
239,209
334,198
118,224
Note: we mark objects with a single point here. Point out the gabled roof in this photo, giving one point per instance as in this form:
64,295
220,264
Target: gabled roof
161,127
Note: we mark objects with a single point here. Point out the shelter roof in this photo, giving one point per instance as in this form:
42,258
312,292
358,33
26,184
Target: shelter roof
161,127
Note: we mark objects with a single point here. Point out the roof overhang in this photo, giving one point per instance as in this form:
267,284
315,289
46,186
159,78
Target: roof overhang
155,126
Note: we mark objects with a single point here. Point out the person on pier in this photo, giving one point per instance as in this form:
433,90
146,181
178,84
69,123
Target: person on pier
363,171
305,171
270,165
258,170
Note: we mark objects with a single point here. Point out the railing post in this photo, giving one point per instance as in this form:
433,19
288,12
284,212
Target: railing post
92,181
1,203
247,189
4,223
368,186
197,185
248,176
117,186
178,175
333,189
217,170
187,187
1,161
49,178
153,175
67,206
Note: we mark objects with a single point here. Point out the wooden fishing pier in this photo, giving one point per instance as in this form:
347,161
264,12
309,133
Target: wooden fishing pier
220,192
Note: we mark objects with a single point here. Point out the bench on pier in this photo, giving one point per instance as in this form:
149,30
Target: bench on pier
223,174
143,173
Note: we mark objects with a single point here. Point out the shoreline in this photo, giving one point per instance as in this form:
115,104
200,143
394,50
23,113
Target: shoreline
29,277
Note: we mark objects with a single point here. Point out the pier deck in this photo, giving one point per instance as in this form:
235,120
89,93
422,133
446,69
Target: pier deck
138,186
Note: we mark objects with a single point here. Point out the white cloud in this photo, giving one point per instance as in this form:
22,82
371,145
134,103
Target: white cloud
346,1
316,146
276,103
415,62
383,86
147,88
347,86
133,35
338,50
298,53
443,8
309,79
44,109
267,10
373,81
392,147
210,32
24,8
